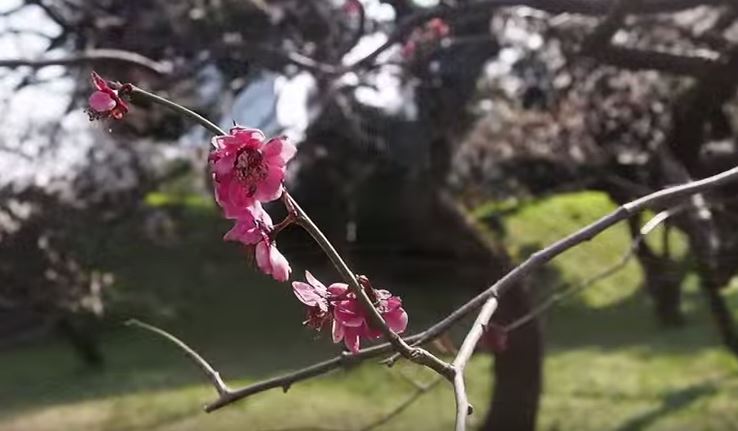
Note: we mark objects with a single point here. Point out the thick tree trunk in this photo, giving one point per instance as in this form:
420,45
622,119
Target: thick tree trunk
83,340
518,369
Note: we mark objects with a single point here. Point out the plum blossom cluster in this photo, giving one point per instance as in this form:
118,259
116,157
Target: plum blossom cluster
338,306
248,170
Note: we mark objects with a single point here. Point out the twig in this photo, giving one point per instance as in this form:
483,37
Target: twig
637,59
620,264
212,375
416,355
93,56
463,408
139,95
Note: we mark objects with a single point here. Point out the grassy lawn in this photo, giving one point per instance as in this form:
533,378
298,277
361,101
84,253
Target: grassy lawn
608,364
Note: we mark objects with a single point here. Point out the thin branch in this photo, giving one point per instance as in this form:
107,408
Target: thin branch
463,408
637,59
419,392
557,297
212,375
654,200
138,95
93,56
417,355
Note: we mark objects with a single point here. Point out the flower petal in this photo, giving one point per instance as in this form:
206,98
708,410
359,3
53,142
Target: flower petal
396,320
280,267
349,313
319,287
271,187
262,258
351,339
305,293
278,151
237,199
337,331
101,102
98,81
337,289
223,166
247,135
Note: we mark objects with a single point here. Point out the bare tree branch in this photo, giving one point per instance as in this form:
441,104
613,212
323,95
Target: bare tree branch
488,297
208,370
93,56
463,408
637,59
417,355
557,297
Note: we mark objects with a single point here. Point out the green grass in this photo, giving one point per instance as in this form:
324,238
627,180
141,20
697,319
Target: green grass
608,364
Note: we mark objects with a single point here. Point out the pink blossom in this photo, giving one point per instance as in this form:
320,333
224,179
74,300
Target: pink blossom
316,296
252,225
105,102
350,322
248,168
253,228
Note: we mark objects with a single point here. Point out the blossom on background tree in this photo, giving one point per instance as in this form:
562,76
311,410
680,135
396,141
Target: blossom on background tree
340,306
423,40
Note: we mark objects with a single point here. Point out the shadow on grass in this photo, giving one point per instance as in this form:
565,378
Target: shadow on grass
671,403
